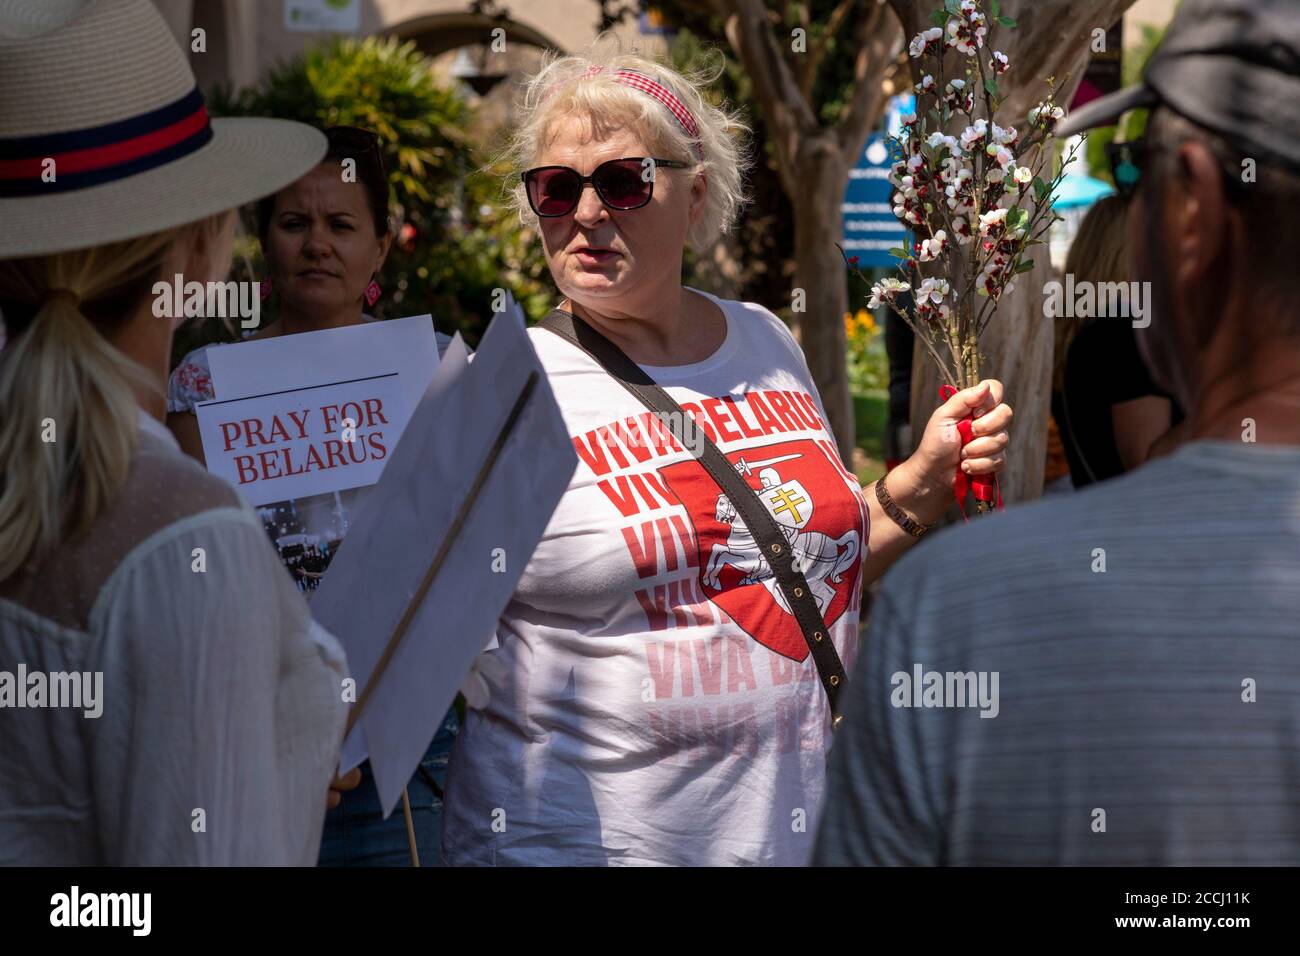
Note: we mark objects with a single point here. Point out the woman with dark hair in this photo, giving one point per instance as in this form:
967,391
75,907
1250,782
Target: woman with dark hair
1108,411
325,238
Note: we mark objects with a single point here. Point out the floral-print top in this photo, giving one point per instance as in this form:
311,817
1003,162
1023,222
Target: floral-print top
191,380
190,383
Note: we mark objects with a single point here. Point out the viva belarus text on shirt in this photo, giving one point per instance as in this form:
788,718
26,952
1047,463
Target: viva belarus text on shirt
660,704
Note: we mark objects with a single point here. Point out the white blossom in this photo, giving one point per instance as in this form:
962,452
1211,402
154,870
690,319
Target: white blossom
994,219
932,248
972,135
954,172
907,208
939,139
932,291
1046,111
966,34
923,40
958,191
958,97
884,291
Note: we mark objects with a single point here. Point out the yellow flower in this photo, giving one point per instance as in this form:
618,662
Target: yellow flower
860,325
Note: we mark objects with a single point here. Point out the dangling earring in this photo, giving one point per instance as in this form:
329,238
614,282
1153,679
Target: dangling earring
264,289
373,292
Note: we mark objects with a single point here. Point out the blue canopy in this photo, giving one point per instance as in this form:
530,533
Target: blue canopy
1078,192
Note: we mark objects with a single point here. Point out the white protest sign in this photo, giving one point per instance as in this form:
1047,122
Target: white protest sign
405,346
317,412
306,441
486,461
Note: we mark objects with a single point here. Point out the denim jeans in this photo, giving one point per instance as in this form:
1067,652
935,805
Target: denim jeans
356,833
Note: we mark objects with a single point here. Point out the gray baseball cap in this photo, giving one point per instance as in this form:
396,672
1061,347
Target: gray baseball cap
1231,66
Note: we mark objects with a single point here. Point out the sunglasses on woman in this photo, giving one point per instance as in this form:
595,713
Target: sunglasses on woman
1129,162
1126,163
621,184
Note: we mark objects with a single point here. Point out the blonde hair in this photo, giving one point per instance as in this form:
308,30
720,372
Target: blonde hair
59,370
1099,253
565,85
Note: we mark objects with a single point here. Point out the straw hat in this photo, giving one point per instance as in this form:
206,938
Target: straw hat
103,133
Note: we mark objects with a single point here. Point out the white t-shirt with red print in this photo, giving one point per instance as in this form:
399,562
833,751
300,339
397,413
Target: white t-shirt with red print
653,699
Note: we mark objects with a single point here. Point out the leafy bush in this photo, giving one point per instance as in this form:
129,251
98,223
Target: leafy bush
456,242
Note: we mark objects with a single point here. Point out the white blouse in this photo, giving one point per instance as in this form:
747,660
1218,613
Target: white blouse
220,705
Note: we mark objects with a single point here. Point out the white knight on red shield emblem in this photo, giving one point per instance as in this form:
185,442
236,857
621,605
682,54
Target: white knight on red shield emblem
815,510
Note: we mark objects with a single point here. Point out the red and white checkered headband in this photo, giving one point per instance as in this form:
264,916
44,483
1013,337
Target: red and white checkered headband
651,87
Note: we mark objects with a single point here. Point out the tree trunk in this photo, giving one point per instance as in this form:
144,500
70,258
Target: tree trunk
813,162
820,273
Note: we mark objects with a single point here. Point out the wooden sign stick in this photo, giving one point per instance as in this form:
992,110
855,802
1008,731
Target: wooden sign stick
413,606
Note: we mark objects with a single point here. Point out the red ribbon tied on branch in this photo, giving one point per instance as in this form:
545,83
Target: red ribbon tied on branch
983,487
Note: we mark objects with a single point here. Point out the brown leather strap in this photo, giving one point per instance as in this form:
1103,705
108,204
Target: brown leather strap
774,545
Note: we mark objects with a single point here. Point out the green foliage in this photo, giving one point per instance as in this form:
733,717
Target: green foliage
1134,124
456,242
871,419
868,363
489,249
384,86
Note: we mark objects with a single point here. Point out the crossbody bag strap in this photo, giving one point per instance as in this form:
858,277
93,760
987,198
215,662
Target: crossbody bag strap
775,547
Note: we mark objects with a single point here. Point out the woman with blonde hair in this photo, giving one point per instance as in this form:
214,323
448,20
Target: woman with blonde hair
164,695
662,689
324,238
1107,410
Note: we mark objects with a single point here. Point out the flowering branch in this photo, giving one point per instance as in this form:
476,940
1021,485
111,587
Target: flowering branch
977,202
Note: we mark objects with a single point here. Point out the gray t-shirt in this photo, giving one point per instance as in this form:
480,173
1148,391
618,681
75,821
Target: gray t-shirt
1147,713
